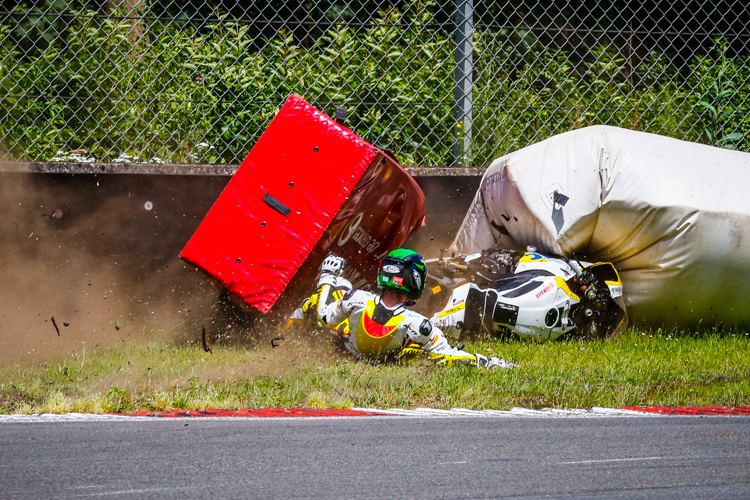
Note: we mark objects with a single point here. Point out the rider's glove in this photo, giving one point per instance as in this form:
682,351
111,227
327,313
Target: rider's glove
482,361
329,269
496,362
493,362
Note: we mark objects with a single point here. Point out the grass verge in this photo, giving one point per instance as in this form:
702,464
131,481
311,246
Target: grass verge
639,368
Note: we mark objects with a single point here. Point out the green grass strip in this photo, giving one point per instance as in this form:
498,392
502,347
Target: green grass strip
639,368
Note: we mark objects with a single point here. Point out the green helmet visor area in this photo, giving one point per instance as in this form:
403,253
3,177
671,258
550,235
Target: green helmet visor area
403,271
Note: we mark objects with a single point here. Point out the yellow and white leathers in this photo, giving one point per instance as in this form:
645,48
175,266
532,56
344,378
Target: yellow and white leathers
379,332
307,314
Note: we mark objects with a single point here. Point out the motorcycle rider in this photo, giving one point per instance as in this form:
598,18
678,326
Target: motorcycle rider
381,325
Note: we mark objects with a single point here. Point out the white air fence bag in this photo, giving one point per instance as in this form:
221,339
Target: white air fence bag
673,216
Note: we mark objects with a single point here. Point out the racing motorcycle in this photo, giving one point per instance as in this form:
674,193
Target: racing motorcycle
536,296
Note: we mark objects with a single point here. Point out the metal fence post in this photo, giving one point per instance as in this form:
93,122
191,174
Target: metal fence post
464,82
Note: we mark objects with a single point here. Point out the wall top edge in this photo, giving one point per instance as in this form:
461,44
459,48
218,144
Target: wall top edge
40,167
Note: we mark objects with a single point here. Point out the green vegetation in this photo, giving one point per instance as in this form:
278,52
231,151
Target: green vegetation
724,83
186,92
638,368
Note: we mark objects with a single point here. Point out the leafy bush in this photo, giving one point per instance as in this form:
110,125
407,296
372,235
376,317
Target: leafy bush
721,85
186,93
552,93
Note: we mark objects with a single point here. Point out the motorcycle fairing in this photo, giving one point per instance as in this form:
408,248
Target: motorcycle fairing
452,310
563,285
533,261
532,257
484,310
505,314
523,289
545,298
506,285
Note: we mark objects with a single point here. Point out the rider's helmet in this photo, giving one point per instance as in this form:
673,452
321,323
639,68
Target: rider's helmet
403,271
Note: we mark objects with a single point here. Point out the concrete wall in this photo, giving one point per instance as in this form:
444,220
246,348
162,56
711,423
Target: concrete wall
108,266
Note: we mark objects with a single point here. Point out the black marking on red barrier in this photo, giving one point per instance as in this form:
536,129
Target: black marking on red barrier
692,410
256,413
277,205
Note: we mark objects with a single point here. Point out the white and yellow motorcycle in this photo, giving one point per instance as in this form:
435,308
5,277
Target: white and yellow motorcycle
536,296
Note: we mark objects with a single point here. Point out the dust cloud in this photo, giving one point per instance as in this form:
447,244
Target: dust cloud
99,253
447,199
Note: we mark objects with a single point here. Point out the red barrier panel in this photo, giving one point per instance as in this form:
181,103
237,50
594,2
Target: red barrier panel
308,187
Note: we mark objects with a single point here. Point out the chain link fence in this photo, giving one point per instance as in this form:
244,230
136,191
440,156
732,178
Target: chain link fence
456,82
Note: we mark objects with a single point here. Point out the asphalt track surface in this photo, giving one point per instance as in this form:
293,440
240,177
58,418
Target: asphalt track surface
379,457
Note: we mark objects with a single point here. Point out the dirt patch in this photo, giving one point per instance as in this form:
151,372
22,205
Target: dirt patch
162,367
99,254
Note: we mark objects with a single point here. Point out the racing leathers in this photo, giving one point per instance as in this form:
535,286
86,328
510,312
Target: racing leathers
307,313
379,332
